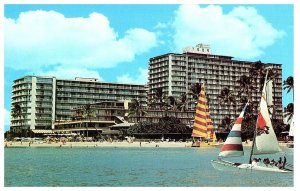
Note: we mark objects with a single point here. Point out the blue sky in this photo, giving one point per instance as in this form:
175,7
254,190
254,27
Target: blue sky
115,42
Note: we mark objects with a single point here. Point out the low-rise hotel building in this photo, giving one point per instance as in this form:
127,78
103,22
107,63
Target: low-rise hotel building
46,100
114,115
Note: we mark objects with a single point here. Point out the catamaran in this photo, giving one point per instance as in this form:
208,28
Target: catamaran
264,142
203,129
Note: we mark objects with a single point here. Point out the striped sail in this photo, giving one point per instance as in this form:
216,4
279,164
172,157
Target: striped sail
210,128
233,144
265,140
203,124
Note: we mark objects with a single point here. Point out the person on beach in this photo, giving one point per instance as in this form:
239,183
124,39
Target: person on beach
140,144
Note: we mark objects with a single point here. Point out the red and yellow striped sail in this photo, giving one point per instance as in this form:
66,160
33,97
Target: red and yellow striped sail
203,124
210,128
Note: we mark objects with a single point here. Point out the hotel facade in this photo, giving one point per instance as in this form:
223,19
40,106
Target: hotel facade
47,102
175,73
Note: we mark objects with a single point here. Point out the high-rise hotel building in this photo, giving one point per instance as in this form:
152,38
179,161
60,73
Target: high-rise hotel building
175,73
45,100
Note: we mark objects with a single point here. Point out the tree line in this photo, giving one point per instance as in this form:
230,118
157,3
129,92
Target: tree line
235,96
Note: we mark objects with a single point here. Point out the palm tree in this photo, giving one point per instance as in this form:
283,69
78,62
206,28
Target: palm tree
250,111
171,103
16,112
136,108
257,70
88,113
182,102
289,111
226,124
289,85
159,96
195,91
151,103
226,96
245,86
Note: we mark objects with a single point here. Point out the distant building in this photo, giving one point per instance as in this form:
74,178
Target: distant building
45,100
175,73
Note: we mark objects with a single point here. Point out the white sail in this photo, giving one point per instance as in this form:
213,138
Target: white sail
265,140
291,132
233,144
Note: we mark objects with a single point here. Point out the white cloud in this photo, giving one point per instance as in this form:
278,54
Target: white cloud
161,25
241,33
6,117
140,78
70,73
39,39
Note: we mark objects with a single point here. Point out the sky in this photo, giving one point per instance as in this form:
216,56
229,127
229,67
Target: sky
114,42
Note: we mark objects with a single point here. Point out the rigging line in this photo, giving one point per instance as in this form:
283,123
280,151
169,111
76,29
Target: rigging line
288,164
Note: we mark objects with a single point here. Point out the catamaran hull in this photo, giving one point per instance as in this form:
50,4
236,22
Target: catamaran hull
229,166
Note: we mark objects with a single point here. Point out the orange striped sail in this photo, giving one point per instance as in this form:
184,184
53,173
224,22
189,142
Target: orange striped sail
203,124
210,128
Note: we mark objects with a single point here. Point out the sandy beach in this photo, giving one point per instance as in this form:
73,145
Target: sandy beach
98,144
163,144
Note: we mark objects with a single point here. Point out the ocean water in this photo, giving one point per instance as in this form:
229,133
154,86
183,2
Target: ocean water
130,167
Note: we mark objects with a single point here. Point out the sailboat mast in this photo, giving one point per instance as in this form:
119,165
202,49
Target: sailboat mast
254,136
206,107
253,143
